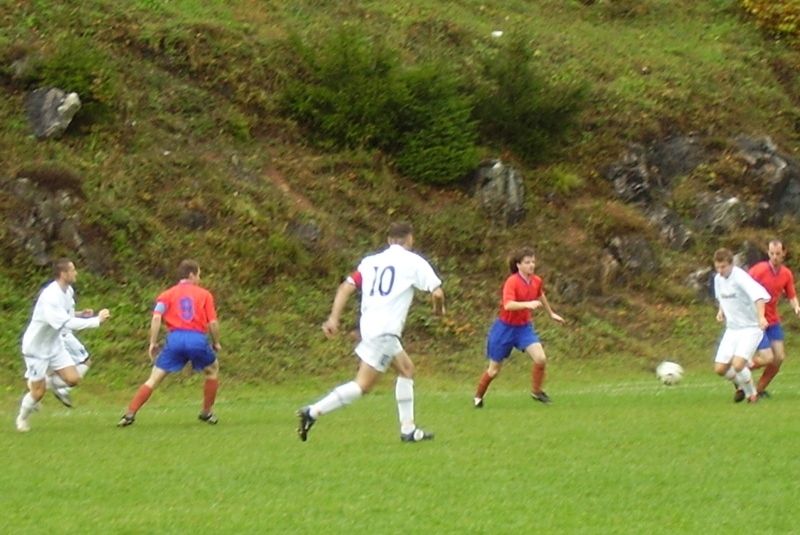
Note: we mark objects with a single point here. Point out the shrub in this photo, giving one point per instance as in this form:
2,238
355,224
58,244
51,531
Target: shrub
780,18
437,143
518,110
354,93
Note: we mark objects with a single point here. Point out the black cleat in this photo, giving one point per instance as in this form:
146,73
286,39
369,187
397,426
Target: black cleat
417,435
208,417
126,420
764,394
541,397
477,403
306,421
739,396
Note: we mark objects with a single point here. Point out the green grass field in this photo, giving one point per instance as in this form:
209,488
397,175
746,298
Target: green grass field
626,456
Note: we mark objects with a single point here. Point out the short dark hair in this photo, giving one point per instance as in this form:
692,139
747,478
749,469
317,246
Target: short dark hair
400,230
723,255
187,268
517,256
60,266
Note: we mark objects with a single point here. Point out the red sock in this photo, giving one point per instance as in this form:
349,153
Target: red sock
210,394
537,377
141,397
483,384
770,371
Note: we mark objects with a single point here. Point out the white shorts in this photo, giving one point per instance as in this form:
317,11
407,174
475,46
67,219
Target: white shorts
36,368
74,347
379,352
738,343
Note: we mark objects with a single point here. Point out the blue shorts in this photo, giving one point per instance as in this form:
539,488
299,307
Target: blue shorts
185,346
773,333
504,337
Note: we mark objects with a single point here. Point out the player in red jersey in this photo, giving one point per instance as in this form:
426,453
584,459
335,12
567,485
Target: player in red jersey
523,292
778,280
190,315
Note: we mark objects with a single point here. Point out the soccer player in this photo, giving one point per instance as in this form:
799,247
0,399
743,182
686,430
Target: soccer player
387,281
522,293
42,345
80,356
190,315
741,305
778,280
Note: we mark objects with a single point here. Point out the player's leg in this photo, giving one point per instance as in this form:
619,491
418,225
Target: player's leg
499,344
404,394
210,388
779,355
35,374
744,377
142,395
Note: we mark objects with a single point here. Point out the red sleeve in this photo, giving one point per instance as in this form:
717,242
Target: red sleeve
791,293
509,290
356,278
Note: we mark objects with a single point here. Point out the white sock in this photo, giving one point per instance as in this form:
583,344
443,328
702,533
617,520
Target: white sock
82,369
730,375
339,397
404,393
745,379
27,406
55,382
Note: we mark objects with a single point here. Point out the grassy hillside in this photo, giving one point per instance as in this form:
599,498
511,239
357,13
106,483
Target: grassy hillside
181,149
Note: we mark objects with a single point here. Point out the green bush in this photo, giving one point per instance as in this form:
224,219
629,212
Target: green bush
437,143
780,18
518,109
354,93
346,92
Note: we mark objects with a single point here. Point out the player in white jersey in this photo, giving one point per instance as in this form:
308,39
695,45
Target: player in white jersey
387,281
42,344
741,305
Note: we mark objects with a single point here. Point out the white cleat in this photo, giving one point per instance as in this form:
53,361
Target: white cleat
62,395
22,425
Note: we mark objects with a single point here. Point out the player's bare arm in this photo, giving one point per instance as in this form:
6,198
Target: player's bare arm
213,330
343,293
546,304
438,302
155,328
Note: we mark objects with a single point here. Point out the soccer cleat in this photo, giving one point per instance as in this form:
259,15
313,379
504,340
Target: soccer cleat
306,421
208,417
541,397
764,394
62,395
417,435
126,420
22,424
753,399
477,403
739,396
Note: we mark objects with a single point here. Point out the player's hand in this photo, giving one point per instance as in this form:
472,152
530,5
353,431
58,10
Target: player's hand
153,352
103,315
557,318
438,309
720,316
763,323
330,328
85,313
797,311
217,346
534,304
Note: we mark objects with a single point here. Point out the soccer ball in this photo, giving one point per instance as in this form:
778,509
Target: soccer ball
669,373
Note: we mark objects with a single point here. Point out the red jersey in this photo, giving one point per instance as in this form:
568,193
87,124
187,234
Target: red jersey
516,288
776,283
187,307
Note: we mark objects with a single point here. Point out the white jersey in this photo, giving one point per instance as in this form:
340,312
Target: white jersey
54,311
737,295
387,282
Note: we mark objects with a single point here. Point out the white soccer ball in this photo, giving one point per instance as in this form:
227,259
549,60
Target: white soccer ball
669,373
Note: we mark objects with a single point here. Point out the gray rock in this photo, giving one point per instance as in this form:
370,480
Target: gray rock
501,192
50,111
